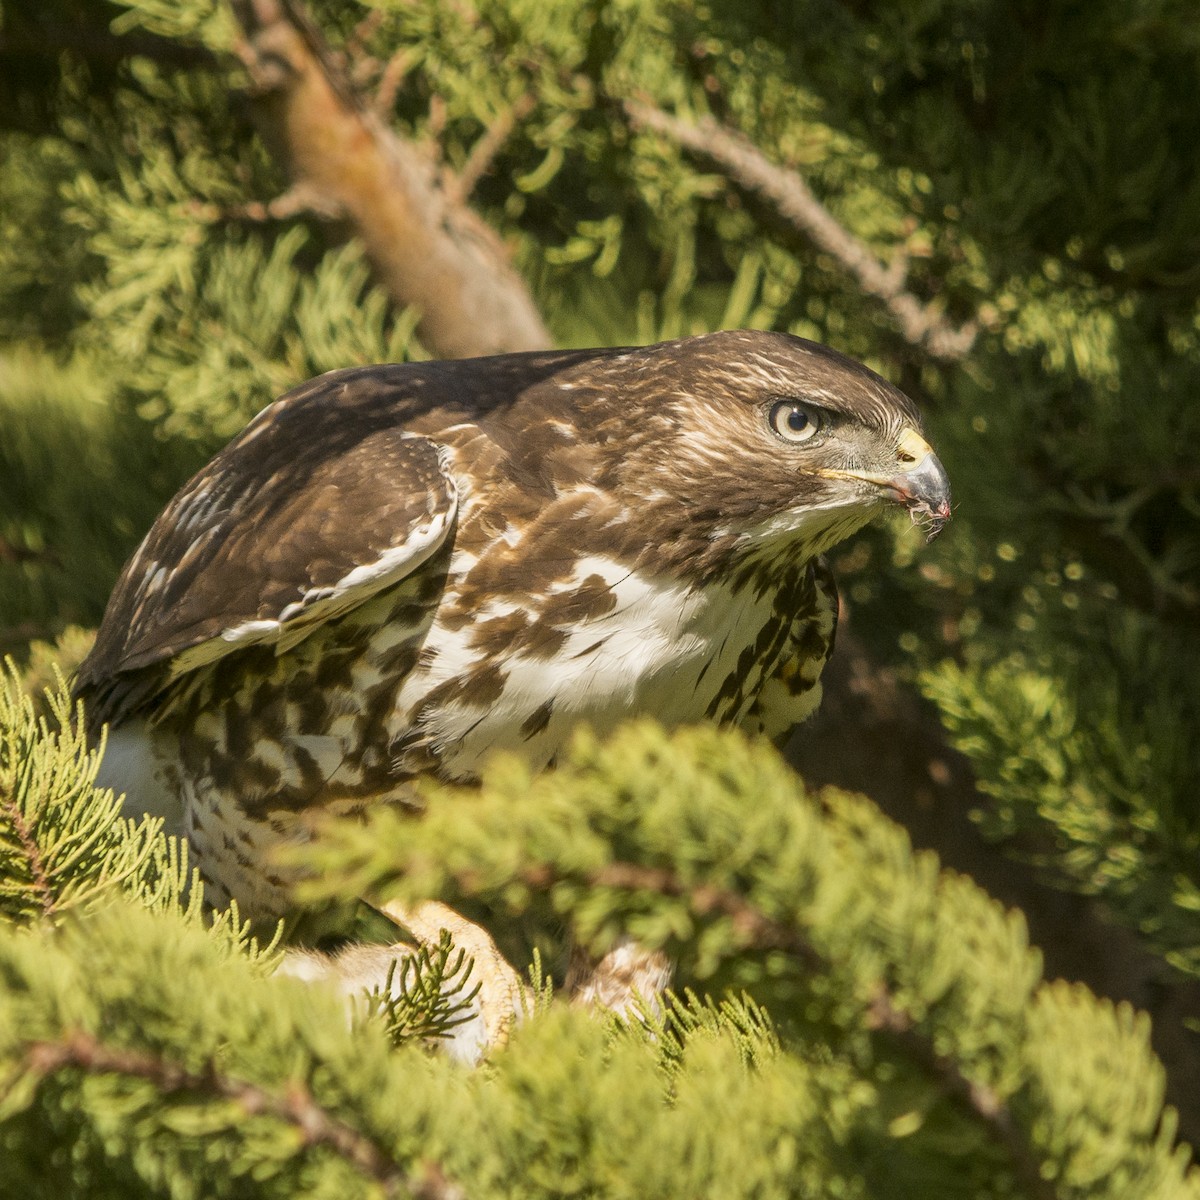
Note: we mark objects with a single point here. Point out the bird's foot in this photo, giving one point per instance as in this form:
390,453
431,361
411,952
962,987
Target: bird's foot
628,979
502,997
362,970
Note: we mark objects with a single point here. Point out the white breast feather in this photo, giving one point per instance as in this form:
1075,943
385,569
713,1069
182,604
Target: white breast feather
646,654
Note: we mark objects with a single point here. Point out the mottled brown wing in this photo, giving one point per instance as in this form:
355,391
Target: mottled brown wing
278,534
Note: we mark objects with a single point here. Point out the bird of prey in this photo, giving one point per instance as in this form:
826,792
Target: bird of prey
395,570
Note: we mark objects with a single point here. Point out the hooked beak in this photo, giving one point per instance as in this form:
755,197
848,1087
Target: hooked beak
920,483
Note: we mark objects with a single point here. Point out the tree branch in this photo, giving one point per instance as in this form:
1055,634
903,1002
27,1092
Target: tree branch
28,844
884,1015
428,250
484,151
390,80
791,197
297,1107
874,736
297,201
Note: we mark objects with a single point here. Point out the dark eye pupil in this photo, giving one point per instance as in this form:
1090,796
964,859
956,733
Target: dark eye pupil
793,421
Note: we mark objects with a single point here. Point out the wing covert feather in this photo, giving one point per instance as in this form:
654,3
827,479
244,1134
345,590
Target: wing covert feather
262,548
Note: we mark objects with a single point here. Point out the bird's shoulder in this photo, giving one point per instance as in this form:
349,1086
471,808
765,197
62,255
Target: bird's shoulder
343,486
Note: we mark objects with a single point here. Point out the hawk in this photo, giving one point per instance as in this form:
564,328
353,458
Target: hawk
394,571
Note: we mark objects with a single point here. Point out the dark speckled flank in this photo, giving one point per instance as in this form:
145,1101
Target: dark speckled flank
344,599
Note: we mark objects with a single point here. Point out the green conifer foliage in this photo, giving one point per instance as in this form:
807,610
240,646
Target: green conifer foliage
858,1023
888,1031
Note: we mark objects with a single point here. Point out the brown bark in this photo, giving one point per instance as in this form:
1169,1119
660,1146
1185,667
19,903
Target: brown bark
429,250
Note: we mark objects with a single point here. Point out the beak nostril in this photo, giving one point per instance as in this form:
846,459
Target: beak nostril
911,448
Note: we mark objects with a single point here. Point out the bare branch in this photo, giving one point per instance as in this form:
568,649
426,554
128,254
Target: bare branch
484,152
790,196
429,251
361,34
300,200
435,123
296,1107
390,81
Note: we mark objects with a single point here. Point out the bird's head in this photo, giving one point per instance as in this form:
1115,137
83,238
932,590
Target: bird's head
777,441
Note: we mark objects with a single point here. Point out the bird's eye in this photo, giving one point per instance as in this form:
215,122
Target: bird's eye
792,421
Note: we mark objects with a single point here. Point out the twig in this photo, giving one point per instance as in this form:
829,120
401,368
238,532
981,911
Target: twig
390,81
296,1107
484,152
793,199
12,553
297,201
435,123
884,1014
356,43
28,844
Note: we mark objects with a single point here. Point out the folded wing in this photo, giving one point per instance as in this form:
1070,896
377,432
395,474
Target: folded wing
284,530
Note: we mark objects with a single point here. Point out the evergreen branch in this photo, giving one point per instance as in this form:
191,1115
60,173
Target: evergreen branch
753,926
27,841
682,1016
791,197
430,251
499,994
62,840
297,1107
913,768
428,994
884,1014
